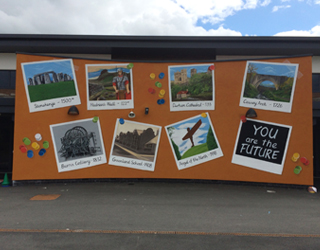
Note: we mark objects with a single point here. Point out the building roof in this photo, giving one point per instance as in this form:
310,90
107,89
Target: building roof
154,140
160,47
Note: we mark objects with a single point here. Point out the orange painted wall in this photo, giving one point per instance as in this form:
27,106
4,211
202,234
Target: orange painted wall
225,119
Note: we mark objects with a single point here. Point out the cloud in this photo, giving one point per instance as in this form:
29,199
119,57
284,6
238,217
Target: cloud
216,11
315,31
276,8
290,72
270,70
265,3
125,17
120,17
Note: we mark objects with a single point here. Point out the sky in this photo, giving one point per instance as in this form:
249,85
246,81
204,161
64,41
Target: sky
161,17
278,69
94,71
58,66
180,130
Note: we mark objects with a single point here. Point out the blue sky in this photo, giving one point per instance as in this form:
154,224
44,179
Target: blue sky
97,73
276,17
58,66
162,17
275,69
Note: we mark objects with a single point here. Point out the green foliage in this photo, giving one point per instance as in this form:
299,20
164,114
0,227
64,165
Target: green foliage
202,148
289,81
250,76
199,86
175,147
211,140
195,92
283,94
175,88
107,80
200,83
176,150
206,88
250,91
51,91
104,78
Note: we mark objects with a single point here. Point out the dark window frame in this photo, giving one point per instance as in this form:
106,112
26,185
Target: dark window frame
316,89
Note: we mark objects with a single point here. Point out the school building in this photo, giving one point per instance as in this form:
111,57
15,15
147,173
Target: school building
147,49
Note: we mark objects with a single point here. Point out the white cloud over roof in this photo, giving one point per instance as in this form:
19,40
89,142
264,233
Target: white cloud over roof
113,17
315,31
138,17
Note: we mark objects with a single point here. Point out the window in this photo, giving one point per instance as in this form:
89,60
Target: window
7,83
316,91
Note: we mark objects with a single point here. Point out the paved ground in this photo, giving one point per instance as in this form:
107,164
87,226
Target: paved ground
158,215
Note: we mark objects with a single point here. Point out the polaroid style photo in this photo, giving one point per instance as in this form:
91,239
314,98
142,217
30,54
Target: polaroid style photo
193,141
269,86
50,84
262,145
135,145
191,87
78,144
109,86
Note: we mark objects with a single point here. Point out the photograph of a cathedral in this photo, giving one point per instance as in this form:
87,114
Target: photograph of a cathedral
136,141
191,83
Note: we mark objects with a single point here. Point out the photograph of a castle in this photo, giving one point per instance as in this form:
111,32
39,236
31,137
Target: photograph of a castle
191,87
191,83
135,145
